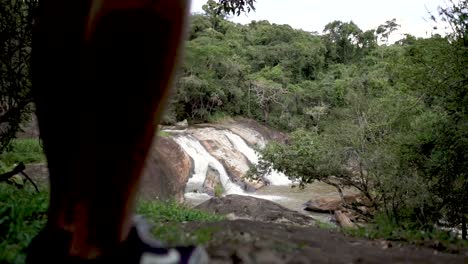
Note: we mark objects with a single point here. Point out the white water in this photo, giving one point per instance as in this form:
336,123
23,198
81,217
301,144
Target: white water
274,177
202,160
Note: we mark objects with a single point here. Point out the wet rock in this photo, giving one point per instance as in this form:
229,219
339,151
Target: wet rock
235,163
211,182
182,124
245,128
246,207
166,171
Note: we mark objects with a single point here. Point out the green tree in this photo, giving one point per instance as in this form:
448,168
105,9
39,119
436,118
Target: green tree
385,30
16,21
341,41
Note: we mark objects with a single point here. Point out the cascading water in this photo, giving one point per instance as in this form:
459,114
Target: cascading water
228,146
274,177
202,160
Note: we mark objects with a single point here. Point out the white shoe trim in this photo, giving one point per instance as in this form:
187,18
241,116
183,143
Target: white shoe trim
172,257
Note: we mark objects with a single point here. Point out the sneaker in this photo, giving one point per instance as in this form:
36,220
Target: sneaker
139,248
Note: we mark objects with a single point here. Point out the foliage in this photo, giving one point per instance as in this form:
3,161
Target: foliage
172,212
236,6
16,22
173,234
392,122
23,213
167,218
162,133
258,70
385,228
22,216
22,150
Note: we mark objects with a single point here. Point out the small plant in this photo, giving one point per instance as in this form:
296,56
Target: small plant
325,225
22,150
23,213
163,133
218,190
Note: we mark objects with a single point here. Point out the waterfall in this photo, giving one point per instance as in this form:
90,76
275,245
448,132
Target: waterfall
202,160
274,177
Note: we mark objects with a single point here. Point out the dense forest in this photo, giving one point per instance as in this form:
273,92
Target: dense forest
388,119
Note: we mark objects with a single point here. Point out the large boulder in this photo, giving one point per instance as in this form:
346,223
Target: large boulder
166,171
247,207
182,124
331,203
253,132
324,204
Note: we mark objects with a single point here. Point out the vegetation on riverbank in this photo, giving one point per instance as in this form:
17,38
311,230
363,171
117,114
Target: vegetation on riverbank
23,213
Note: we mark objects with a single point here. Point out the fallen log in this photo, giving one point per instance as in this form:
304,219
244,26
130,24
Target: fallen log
19,169
343,220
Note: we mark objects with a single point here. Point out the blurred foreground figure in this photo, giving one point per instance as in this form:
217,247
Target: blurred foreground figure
102,70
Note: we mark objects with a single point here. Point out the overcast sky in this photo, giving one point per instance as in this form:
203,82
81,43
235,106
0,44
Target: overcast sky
313,15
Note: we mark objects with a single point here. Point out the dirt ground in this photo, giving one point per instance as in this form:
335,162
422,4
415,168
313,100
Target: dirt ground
245,241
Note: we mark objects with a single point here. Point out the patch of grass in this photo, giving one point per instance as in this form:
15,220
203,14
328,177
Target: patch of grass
168,218
173,234
23,213
162,133
385,228
22,150
324,225
218,117
157,211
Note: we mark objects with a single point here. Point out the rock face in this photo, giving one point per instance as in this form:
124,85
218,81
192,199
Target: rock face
254,133
166,172
182,124
246,207
250,242
211,182
235,163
